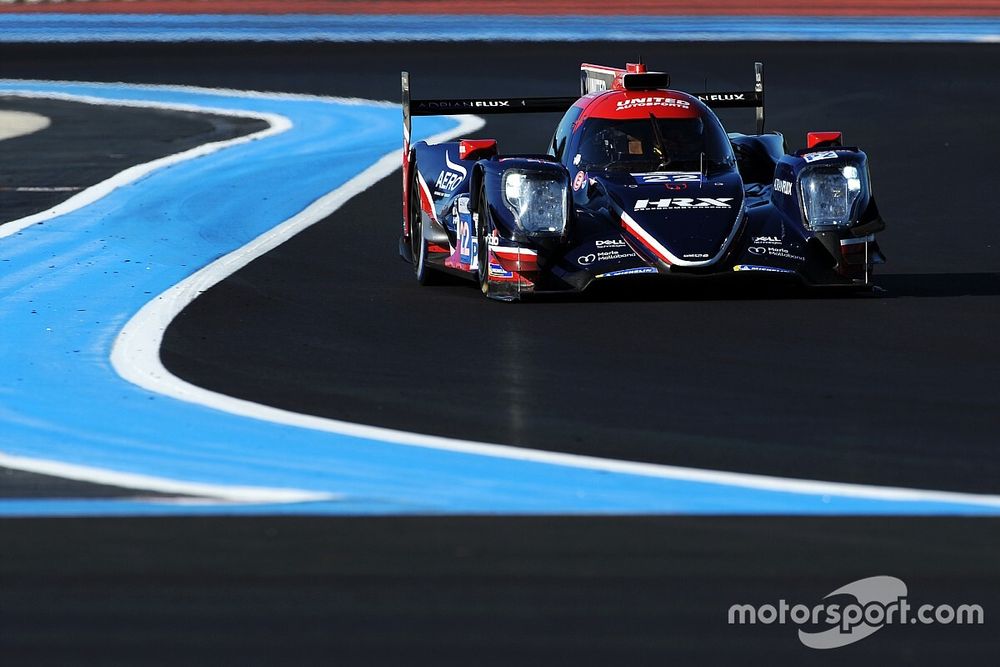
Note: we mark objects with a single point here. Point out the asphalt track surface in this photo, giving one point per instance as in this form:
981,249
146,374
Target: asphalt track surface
899,389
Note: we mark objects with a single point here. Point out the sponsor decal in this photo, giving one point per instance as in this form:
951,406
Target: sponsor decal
681,203
611,243
658,101
464,104
468,246
782,186
696,255
820,155
723,97
629,272
604,256
596,85
675,186
668,177
576,159
785,254
580,179
771,251
766,240
498,271
449,179
755,267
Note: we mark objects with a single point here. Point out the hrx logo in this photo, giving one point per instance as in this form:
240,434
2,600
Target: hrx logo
682,202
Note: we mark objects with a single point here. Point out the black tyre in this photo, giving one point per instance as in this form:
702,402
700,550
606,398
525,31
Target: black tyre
482,233
424,274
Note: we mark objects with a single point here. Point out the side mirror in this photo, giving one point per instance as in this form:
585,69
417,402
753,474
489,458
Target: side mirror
476,149
824,139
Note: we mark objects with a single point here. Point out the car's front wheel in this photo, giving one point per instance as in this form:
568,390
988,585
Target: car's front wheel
482,234
492,287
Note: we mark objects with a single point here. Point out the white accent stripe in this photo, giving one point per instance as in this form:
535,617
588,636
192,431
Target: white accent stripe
634,227
457,168
639,231
514,252
427,193
601,69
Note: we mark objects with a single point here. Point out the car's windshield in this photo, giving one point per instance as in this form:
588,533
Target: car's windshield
635,144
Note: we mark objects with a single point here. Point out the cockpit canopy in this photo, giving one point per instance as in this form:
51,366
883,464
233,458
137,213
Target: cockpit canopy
651,144
622,130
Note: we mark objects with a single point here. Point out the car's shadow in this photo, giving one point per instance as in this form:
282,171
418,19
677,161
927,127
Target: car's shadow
769,288
749,288
708,288
939,284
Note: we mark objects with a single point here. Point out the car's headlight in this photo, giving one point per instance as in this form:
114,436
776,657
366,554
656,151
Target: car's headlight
829,195
538,201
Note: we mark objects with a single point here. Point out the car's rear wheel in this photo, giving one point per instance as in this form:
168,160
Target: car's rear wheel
424,274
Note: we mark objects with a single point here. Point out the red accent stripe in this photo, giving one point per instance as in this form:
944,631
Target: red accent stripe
425,203
526,7
645,244
511,263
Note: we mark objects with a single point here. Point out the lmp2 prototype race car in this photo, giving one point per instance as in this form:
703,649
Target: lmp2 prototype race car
638,179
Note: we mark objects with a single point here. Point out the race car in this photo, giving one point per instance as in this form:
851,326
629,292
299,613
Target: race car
638,180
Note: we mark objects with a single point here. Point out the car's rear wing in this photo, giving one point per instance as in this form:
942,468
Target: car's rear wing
742,98
476,105
592,78
595,78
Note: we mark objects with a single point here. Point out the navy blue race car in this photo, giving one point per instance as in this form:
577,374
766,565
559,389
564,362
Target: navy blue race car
638,179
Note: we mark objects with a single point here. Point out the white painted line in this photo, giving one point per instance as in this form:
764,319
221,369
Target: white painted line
42,188
198,493
21,123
